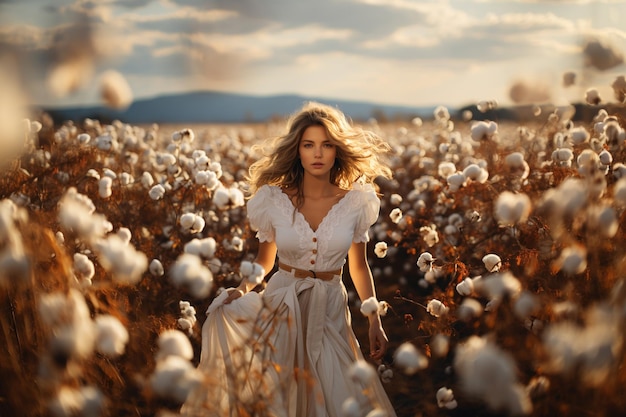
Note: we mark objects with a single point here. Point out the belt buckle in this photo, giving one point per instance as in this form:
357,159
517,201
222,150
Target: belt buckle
313,272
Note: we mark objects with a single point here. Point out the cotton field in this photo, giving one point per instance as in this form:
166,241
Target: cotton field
498,256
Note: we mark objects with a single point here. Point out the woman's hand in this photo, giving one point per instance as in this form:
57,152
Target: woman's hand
233,294
378,340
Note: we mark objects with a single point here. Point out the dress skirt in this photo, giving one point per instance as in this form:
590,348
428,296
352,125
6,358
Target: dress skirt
284,352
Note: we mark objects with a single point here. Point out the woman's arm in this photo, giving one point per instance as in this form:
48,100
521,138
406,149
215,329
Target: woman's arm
364,284
266,256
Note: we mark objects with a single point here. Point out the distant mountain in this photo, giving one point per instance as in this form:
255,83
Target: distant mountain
217,107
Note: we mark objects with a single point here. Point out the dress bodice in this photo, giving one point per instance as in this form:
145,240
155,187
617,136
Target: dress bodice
275,218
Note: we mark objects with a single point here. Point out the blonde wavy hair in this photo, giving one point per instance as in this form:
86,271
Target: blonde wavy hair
358,152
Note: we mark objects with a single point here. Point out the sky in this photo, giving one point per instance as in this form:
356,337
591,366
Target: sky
405,52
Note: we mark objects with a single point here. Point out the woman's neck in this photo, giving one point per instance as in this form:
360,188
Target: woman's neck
317,187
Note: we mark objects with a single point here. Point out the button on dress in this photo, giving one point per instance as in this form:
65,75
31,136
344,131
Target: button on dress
287,350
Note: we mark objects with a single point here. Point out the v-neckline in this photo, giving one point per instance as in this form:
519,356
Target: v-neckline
330,210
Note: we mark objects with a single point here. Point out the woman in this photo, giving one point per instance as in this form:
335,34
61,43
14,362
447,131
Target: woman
288,350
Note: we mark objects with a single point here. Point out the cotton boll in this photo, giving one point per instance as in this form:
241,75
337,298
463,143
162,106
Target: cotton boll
430,235
591,350
362,372
385,373
563,157
441,113
572,260
126,264
369,306
173,343
69,319
147,180
192,223
236,197
456,181
126,179
425,261
380,249
465,287
395,199
76,213
492,262
437,308
188,271
567,199
207,178
603,219
183,135
511,208
483,130
252,271
83,138
619,192
517,165
83,268
605,157
395,215
124,234
221,198
409,359
112,336
446,169
175,378
246,268
476,173
69,402
165,159
469,309
440,345
157,192
202,247
431,276
106,142
525,305
619,170
445,398
188,316
488,373
156,268
187,220
107,172
592,97
588,163
579,135
498,286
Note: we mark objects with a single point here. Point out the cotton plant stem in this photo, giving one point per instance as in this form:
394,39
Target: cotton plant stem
400,297
6,329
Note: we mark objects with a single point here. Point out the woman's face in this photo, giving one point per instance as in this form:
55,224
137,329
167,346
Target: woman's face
317,152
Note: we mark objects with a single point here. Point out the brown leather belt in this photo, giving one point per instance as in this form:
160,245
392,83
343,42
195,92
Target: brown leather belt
304,273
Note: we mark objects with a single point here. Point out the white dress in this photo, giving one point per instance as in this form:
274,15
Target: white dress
287,351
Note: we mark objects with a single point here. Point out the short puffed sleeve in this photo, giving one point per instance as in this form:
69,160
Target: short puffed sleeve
259,213
369,210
